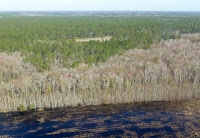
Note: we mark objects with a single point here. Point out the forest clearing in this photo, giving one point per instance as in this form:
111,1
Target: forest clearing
100,39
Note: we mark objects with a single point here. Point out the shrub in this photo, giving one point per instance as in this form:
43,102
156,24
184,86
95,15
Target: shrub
75,64
22,109
31,107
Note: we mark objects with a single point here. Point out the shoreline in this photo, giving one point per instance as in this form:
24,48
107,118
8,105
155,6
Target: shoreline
102,105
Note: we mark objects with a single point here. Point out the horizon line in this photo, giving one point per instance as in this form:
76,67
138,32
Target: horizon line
100,11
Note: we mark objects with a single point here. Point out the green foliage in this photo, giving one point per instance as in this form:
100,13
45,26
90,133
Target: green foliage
75,64
22,108
31,107
44,41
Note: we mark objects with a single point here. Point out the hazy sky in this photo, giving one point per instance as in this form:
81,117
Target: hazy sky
128,5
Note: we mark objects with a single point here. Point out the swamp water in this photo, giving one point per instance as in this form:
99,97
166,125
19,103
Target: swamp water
155,119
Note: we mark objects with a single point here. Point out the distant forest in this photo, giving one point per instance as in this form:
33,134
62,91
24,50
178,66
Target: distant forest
52,61
44,41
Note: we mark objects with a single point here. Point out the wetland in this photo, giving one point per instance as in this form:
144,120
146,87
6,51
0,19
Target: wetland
153,119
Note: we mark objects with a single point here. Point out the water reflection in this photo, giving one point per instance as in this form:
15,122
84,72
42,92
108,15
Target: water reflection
157,119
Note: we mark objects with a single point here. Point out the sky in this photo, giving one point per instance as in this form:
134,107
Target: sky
99,5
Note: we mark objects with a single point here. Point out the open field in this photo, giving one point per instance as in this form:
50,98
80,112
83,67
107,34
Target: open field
100,39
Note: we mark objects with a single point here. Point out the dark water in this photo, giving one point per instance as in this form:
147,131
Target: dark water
156,119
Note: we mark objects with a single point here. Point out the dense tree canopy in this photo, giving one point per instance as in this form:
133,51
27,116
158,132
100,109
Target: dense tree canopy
47,40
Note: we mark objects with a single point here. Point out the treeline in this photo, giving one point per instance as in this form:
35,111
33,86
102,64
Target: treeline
47,41
168,71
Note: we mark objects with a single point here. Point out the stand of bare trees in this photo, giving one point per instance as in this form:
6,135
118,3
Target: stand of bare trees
166,72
